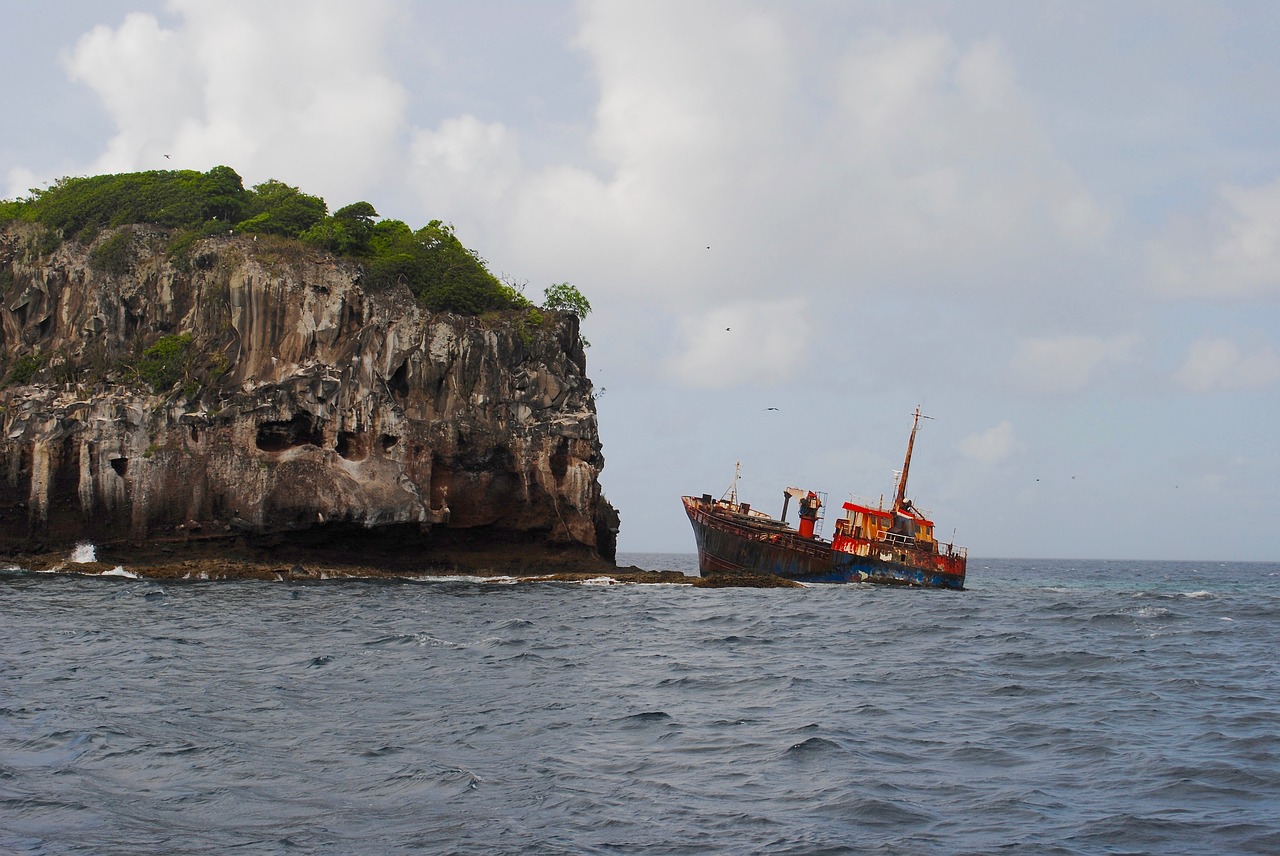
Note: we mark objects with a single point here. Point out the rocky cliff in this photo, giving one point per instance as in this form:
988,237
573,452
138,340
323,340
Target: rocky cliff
295,414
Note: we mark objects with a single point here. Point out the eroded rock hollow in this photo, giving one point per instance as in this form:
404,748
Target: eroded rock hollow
306,414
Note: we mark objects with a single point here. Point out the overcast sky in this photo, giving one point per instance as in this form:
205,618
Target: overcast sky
1053,225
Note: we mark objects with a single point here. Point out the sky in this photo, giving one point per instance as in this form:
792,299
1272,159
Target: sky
1053,226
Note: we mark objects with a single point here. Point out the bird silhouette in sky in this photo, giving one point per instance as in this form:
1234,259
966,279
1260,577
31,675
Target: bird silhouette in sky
771,408
166,157
726,329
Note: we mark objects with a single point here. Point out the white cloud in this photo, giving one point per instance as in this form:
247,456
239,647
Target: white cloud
1067,363
465,158
290,90
1240,257
906,154
141,73
21,182
676,95
760,342
993,446
986,78
730,165
936,147
1220,364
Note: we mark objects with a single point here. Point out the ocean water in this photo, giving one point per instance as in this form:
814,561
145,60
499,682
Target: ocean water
1054,707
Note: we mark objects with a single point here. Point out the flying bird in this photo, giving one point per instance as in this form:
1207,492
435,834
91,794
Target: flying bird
771,408
166,157
726,329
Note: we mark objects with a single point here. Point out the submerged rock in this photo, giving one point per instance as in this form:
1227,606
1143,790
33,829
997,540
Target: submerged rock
306,416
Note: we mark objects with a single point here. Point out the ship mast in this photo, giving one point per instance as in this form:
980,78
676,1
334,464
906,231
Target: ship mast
906,465
732,493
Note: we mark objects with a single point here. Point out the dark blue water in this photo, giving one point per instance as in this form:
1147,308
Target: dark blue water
1055,707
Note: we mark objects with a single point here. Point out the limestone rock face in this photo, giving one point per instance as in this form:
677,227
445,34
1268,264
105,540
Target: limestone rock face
310,412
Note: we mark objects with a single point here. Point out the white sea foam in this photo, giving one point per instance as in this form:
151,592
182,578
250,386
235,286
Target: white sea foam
84,553
463,578
1199,595
428,641
119,571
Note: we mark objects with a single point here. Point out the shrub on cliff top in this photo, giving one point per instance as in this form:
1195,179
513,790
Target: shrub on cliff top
275,208
432,262
347,233
176,199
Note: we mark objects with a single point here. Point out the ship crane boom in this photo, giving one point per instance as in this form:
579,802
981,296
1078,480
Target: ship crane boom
787,495
906,465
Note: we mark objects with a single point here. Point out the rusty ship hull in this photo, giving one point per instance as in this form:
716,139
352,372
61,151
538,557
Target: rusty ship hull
892,545
732,542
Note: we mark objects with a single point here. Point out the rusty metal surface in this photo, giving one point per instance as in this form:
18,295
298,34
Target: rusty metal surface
731,542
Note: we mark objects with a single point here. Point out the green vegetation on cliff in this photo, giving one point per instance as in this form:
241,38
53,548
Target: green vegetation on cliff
431,261
565,298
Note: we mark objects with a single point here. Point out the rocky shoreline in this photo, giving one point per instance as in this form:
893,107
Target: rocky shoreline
509,571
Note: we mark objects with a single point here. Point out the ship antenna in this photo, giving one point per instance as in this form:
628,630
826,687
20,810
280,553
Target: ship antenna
906,465
732,493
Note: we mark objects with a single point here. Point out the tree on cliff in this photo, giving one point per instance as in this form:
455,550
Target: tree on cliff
275,208
566,298
433,263
347,233
176,199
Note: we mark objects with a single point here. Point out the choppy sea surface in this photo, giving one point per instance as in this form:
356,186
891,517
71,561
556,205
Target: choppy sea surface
1054,707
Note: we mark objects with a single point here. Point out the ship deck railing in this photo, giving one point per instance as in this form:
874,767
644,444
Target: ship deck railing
898,539
879,505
